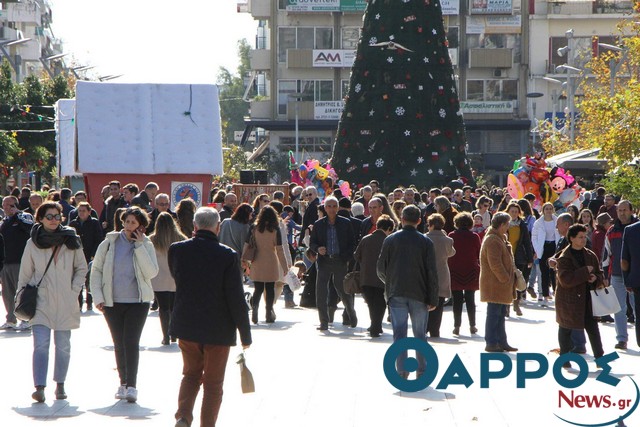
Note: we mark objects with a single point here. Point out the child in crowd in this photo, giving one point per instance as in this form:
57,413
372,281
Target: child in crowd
478,227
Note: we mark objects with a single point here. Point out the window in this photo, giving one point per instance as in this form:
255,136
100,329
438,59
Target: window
453,36
311,90
319,144
492,90
303,38
350,37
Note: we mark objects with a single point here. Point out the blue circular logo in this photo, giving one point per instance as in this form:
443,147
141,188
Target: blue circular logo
186,190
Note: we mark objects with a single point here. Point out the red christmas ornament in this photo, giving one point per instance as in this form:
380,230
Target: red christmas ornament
419,115
435,156
441,60
343,132
448,134
408,76
419,29
385,97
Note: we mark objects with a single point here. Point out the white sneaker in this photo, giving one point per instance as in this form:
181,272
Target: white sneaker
122,392
23,326
132,394
8,325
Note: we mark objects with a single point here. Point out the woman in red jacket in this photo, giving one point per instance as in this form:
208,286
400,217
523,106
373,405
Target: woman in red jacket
465,270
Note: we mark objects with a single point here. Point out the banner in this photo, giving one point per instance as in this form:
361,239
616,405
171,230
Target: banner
326,5
450,7
494,24
333,58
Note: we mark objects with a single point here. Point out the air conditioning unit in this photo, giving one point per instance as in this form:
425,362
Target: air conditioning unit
499,72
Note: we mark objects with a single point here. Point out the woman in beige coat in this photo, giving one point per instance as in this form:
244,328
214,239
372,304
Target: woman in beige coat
164,287
57,302
443,246
497,282
269,263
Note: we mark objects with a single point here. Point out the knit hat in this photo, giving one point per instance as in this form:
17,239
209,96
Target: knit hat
603,218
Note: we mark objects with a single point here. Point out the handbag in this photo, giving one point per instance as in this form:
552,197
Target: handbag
351,282
246,377
521,284
604,302
27,297
249,249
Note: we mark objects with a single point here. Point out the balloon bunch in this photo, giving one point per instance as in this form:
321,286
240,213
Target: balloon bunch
322,177
547,183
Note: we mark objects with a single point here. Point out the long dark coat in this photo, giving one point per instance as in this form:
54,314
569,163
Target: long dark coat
573,288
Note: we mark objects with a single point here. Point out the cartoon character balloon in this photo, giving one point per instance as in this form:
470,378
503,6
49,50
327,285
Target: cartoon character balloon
514,187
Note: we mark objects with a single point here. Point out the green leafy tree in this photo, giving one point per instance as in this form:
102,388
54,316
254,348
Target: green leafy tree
234,160
624,181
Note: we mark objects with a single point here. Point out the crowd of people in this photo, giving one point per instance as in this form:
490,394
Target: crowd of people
416,252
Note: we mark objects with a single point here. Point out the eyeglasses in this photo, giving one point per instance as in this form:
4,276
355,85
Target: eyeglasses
51,217
162,204
264,200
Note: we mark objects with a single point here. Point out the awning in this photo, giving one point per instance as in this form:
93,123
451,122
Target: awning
587,159
514,124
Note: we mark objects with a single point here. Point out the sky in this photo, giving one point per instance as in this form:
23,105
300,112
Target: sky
154,41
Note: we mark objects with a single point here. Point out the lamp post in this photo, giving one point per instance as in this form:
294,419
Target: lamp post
46,61
614,66
296,97
571,86
534,131
109,77
5,53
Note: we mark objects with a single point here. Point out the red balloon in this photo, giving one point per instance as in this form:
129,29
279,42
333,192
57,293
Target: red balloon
539,175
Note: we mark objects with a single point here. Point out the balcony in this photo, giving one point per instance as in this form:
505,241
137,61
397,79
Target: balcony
262,109
29,51
260,59
582,7
7,33
260,9
27,13
490,58
306,110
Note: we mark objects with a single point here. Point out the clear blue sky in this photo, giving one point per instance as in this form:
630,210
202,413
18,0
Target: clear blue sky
156,41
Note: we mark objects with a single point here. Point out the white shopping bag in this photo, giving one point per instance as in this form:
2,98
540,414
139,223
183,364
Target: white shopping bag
604,301
291,279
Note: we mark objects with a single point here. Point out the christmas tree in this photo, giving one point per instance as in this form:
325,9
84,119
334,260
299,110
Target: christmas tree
401,123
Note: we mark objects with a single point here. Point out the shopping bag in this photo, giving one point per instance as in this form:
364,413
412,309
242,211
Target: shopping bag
246,377
604,301
291,279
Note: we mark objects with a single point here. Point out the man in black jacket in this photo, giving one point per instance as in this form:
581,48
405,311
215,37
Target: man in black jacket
407,266
90,232
333,240
209,308
309,194
112,204
229,207
144,198
15,229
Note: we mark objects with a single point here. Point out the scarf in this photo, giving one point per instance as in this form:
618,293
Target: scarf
515,223
44,239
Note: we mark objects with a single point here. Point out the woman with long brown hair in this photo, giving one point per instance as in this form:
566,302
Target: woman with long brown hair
185,210
269,263
164,287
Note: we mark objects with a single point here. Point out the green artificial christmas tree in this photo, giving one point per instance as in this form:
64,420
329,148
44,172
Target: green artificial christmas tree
401,123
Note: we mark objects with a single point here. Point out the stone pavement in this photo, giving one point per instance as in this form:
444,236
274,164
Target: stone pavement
303,377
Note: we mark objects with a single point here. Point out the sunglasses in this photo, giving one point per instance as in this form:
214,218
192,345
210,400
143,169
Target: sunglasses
51,217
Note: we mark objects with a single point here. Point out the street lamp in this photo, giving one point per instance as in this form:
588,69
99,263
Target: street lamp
571,86
109,77
5,53
296,97
46,61
75,70
614,66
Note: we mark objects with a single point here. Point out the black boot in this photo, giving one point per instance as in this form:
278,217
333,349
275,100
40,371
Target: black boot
254,314
38,395
271,315
165,319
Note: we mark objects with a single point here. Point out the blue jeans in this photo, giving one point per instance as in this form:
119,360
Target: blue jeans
41,340
620,317
401,308
494,329
288,293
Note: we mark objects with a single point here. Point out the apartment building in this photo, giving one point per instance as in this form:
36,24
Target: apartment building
501,51
26,39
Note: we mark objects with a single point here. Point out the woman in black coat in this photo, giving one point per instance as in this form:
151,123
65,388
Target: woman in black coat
366,256
520,240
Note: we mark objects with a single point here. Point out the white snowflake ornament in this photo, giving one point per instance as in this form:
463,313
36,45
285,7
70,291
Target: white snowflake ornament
407,132
414,172
400,111
373,40
379,163
348,160
358,88
390,60
420,159
440,171
442,113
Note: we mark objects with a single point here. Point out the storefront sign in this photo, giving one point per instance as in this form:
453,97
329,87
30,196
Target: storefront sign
450,7
476,107
490,7
333,57
494,24
327,110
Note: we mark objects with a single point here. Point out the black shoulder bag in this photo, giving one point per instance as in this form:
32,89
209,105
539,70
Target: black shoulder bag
27,296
